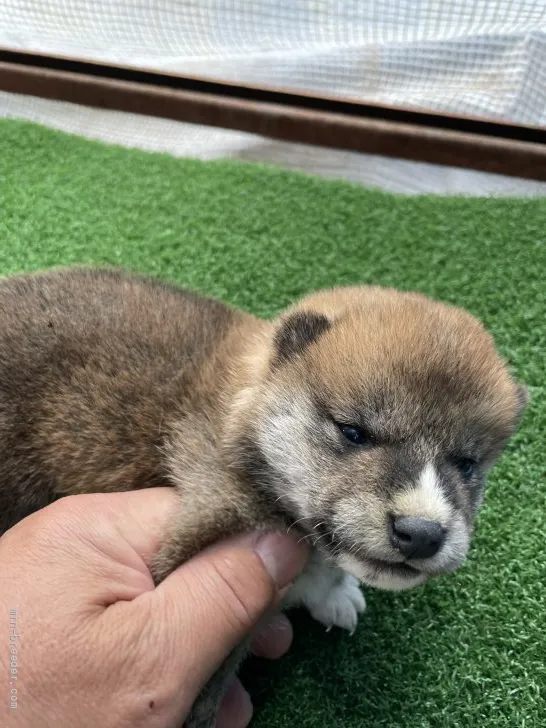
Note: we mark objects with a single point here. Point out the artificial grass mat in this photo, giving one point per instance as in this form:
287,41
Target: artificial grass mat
465,650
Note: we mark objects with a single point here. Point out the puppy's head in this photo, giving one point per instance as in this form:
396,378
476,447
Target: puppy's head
376,420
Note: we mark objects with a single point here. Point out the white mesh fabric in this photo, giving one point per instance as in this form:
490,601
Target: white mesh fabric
485,57
480,57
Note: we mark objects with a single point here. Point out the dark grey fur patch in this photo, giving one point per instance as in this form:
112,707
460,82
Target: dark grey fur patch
297,332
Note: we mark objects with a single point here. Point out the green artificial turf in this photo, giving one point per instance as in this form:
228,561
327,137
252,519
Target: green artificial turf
467,650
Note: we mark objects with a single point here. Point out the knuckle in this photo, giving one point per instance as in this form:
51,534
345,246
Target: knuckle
58,527
54,520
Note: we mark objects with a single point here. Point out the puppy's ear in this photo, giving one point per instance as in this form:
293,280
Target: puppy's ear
296,332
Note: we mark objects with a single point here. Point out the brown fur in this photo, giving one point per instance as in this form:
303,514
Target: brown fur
99,373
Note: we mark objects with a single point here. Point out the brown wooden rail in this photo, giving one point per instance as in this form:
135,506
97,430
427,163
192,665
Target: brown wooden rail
459,141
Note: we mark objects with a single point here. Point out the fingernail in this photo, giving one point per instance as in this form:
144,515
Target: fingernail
283,556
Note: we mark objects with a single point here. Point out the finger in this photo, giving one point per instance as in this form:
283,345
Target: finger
274,639
236,708
220,595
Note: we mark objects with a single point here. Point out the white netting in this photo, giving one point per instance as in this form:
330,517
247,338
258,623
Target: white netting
483,57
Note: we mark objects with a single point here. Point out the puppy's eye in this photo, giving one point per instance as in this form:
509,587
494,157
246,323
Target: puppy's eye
356,435
466,467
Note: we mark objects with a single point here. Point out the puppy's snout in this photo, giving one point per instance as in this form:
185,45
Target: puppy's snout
416,538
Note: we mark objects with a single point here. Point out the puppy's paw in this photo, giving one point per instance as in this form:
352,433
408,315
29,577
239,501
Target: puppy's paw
342,606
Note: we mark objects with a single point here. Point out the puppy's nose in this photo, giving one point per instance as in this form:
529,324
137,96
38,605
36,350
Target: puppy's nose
416,538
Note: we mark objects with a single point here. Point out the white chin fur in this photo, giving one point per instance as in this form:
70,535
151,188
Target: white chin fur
371,576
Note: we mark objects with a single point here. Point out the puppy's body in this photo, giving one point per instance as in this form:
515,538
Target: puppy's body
366,416
109,383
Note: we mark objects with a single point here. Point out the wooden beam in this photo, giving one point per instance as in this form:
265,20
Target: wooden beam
279,114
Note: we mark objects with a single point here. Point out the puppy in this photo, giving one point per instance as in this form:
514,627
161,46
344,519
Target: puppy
364,416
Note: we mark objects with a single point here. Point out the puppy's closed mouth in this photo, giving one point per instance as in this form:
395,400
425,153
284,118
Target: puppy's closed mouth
398,568
391,575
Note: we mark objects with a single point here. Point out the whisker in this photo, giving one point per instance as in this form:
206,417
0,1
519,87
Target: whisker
323,535
281,497
307,535
299,520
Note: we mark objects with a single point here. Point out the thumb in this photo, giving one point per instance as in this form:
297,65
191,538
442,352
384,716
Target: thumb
222,593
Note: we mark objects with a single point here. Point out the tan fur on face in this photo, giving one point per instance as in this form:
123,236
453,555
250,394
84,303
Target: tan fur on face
378,329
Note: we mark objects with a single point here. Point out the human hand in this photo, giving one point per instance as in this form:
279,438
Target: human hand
99,644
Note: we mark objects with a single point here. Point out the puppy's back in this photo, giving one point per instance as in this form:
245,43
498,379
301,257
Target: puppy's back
94,365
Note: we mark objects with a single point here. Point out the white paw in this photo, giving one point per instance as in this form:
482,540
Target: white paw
342,606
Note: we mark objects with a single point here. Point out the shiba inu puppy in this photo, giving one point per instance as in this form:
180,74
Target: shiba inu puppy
365,417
